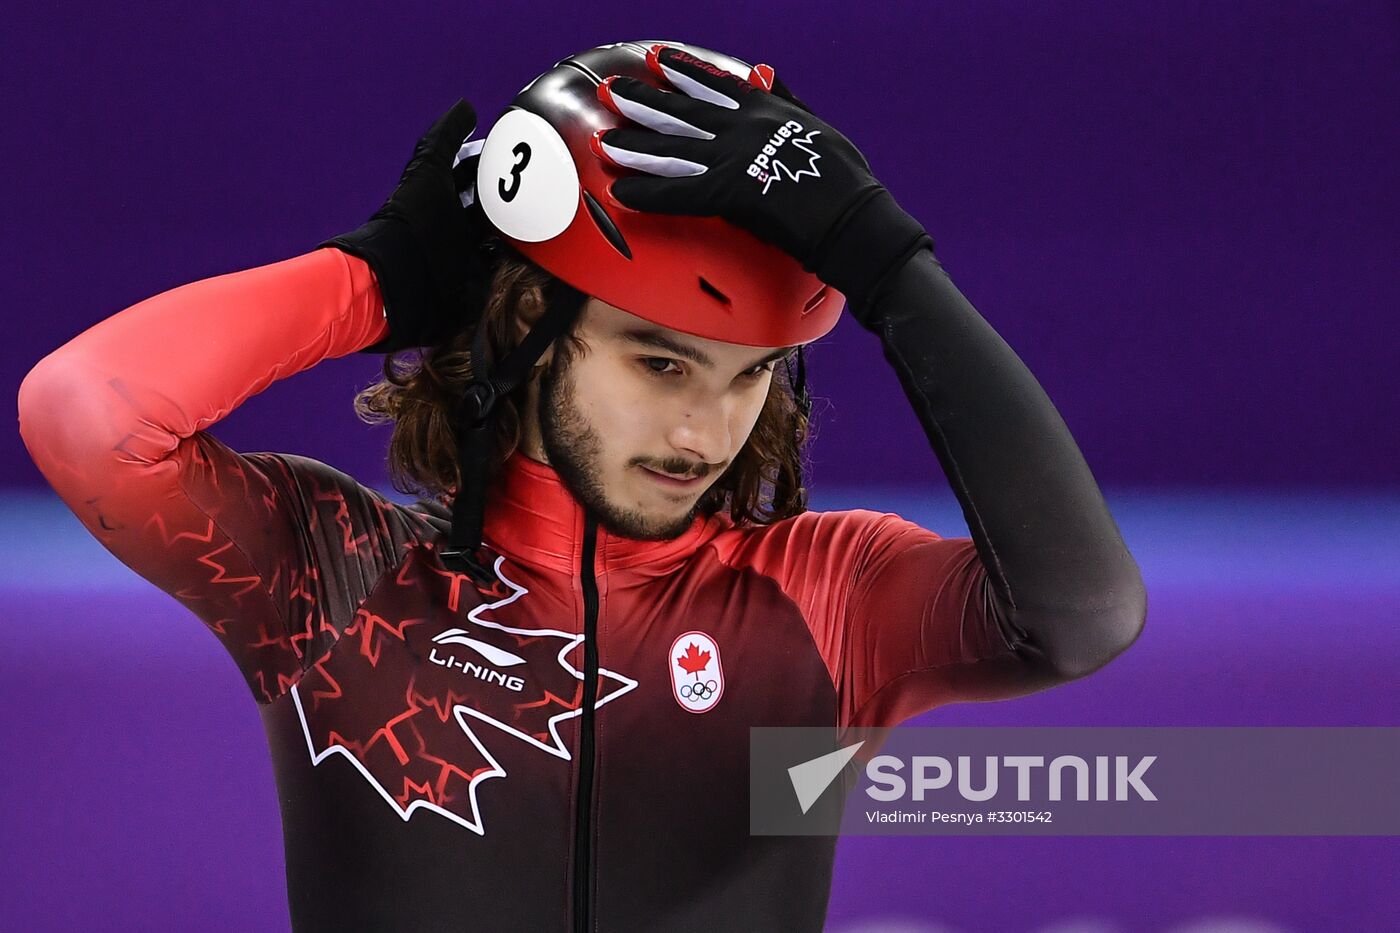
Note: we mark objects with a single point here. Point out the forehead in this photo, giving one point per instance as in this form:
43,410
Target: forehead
609,323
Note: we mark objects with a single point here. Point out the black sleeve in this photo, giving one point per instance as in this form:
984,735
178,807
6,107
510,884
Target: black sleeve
1064,587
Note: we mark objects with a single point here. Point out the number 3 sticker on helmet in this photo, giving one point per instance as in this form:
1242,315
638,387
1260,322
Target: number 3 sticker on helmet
527,182
508,192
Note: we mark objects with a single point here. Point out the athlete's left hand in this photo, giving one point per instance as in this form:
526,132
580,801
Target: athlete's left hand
750,152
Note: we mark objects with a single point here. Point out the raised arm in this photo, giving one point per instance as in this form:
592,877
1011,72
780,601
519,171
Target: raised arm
274,552
115,421
1047,591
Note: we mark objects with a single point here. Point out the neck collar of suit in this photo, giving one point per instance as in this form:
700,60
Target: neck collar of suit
531,516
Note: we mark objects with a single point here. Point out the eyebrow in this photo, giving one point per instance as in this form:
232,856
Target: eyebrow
659,341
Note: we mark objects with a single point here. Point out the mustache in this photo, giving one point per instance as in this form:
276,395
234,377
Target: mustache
681,469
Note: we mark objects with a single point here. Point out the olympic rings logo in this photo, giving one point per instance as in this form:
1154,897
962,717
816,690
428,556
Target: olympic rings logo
699,691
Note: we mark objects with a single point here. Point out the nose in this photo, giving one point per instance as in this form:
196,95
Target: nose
703,431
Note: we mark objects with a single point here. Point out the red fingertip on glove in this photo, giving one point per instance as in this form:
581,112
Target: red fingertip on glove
595,143
605,95
611,199
762,76
654,61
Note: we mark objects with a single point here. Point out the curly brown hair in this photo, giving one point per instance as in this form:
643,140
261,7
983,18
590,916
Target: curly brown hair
421,389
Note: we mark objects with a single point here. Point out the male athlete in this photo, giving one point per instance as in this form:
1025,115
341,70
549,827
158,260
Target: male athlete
531,711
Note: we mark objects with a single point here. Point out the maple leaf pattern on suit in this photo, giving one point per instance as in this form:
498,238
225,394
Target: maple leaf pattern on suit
426,743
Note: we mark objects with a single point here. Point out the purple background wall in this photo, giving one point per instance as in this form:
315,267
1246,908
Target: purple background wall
1184,216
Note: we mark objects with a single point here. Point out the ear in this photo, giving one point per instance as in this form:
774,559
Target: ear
522,328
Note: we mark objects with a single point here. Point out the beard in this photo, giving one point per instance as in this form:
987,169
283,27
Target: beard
575,451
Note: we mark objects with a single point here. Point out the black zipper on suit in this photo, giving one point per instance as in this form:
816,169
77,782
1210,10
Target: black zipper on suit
583,805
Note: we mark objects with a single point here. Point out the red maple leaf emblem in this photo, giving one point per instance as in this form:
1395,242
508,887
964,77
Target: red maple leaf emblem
694,660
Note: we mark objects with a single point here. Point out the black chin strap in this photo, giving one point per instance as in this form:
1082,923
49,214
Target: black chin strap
475,421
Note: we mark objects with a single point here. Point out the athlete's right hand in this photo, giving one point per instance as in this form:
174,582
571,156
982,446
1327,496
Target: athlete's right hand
426,244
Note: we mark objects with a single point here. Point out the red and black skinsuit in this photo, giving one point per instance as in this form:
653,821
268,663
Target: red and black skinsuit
530,758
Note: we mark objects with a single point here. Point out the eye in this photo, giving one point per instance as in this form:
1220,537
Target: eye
656,365
758,371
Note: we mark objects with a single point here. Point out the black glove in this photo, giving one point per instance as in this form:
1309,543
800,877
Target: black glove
428,244
729,148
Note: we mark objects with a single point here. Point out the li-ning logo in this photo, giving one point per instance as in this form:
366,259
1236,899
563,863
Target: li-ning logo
768,169
494,655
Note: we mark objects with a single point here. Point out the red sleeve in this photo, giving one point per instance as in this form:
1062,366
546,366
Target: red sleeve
922,628
904,619
270,551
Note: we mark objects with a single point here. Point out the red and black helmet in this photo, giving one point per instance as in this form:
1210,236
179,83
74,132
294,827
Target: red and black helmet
541,185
